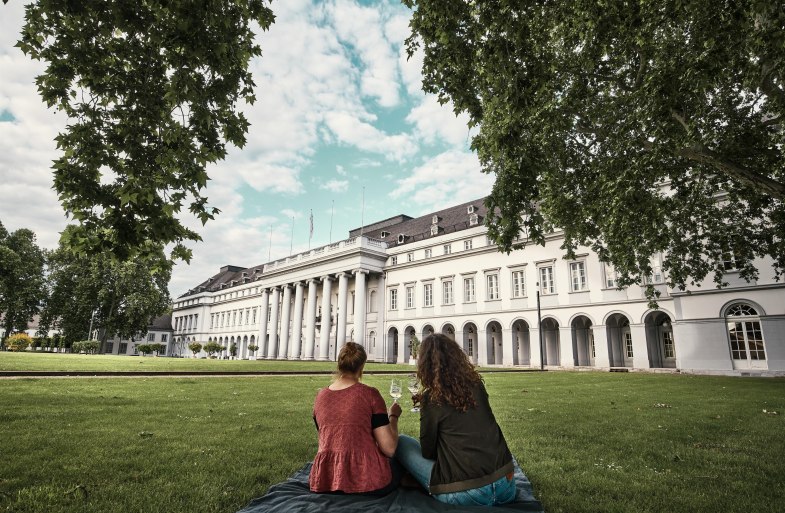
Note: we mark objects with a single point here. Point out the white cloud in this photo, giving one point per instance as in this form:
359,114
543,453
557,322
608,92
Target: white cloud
438,122
340,170
365,136
335,186
289,213
447,179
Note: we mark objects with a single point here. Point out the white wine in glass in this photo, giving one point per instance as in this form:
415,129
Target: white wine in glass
414,387
396,389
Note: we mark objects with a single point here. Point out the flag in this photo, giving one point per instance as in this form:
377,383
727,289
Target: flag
310,235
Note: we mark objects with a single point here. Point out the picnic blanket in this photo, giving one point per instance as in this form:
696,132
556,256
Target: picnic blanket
294,496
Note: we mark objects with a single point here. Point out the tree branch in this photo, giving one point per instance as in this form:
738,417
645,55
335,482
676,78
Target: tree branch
728,168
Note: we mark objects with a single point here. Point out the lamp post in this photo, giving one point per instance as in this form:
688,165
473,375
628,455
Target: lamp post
539,329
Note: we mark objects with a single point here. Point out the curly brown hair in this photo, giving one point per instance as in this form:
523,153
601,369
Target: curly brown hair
446,373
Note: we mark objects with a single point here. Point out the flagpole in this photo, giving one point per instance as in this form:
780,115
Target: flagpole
362,215
270,245
332,212
291,238
310,232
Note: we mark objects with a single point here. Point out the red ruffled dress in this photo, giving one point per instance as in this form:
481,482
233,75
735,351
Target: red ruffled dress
348,459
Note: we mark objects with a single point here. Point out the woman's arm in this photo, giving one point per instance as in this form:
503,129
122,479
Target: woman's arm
387,436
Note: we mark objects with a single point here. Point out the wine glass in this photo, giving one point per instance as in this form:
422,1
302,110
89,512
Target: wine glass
395,390
414,387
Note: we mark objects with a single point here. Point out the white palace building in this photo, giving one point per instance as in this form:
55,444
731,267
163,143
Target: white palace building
407,276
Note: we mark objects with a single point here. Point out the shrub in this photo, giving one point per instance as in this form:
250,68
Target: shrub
252,348
414,346
195,347
18,342
85,346
233,349
144,348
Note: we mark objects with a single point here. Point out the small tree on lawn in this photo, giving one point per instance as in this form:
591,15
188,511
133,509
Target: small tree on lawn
233,349
195,347
145,349
18,342
252,349
211,348
157,348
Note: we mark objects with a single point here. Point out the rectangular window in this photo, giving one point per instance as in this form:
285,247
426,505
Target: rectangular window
393,260
212,320
518,284
467,244
656,270
409,257
546,280
492,281
447,249
628,343
151,337
164,337
578,276
393,299
447,292
234,318
667,339
611,280
410,297
428,252
468,290
428,294
254,315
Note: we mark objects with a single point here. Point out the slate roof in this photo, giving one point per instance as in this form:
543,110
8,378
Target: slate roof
161,323
452,219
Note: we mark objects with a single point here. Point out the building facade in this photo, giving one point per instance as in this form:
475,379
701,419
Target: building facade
159,331
405,277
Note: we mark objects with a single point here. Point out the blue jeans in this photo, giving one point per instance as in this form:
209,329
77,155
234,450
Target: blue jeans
409,453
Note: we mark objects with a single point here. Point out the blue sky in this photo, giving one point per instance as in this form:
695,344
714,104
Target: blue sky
339,109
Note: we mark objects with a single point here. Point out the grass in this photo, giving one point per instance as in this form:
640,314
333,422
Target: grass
53,362
589,441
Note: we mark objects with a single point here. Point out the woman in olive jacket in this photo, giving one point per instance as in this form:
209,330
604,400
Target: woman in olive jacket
462,457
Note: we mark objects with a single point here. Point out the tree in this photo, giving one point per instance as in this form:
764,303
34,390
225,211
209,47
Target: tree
212,347
233,349
145,349
637,128
195,347
18,342
21,278
151,92
120,297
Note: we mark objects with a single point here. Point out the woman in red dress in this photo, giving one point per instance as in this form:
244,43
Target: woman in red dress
358,435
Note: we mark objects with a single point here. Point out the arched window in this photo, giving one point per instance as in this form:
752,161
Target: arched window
745,333
372,299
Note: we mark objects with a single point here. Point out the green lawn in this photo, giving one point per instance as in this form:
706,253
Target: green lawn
590,442
42,361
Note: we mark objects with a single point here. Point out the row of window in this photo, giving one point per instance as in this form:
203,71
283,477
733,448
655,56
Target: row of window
233,318
446,249
545,273
151,337
185,322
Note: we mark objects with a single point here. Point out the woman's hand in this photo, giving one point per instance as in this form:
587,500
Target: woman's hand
394,410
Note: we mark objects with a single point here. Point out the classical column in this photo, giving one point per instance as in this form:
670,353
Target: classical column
272,348
263,323
324,339
508,347
602,356
484,342
297,322
566,354
310,321
384,352
286,315
359,306
343,291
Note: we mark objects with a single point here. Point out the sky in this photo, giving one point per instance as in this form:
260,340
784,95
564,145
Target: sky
340,128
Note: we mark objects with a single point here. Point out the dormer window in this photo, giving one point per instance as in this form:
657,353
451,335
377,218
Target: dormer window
384,234
470,209
434,229
474,219
435,220
401,238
